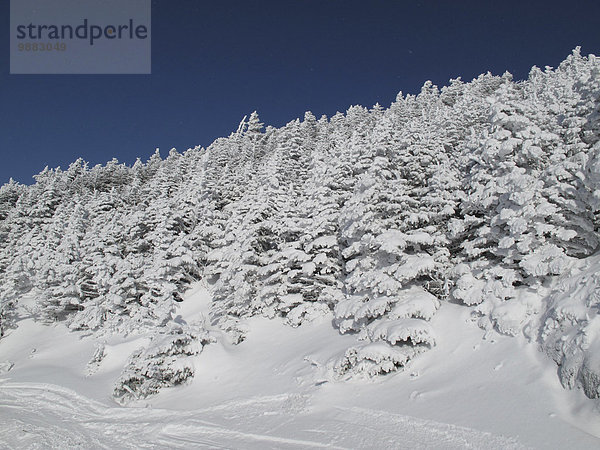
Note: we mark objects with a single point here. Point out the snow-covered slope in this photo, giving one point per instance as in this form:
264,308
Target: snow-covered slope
374,236
276,390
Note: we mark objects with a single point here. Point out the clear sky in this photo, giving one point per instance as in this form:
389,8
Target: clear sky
215,61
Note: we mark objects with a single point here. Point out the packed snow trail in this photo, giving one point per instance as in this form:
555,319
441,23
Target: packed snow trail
48,416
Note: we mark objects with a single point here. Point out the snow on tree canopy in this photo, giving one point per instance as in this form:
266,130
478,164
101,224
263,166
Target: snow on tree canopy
484,193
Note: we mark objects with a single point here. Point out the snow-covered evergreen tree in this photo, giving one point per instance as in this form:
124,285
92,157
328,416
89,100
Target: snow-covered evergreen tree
166,361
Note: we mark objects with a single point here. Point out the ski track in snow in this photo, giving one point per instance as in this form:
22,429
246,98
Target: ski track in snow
36,415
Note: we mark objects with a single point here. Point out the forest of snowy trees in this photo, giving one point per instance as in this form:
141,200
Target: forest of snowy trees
484,193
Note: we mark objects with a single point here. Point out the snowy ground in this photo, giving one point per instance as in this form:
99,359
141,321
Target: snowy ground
274,391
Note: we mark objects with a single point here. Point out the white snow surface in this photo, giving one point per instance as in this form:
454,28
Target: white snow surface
276,390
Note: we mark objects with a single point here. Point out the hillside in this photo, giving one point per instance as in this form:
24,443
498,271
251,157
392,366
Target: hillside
274,391
481,198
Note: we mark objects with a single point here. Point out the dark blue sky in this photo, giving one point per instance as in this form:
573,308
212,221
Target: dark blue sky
215,61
